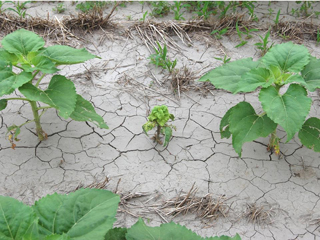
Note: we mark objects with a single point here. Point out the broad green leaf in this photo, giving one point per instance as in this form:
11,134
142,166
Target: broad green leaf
250,81
17,221
10,81
148,126
311,74
41,63
288,57
82,215
168,231
7,57
310,134
167,135
67,55
22,42
288,110
236,237
225,125
116,234
227,76
61,94
57,237
84,111
246,125
3,104
295,79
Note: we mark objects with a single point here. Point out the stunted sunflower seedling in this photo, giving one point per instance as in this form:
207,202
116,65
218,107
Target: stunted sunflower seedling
158,119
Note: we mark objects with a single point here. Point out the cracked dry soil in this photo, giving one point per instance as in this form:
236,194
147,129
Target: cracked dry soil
124,87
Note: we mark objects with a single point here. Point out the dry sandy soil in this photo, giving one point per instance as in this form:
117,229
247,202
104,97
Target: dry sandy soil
124,87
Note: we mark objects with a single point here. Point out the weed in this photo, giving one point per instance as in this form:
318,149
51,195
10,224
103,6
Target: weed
158,118
177,8
318,36
246,34
205,10
20,8
225,59
59,9
89,6
144,16
276,21
250,6
263,45
160,8
129,17
160,58
218,33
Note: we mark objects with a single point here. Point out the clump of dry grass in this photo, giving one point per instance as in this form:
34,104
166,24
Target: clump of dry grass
205,207
261,215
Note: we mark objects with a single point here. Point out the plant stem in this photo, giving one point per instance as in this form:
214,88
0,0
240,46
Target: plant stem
39,80
36,116
158,133
46,107
22,99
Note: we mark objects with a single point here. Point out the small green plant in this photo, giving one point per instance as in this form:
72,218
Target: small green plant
304,8
129,17
218,33
276,21
144,16
225,59
160,8
246,34
160,58
90,5
24,62
20,8
263,45
177,8
83,214
158,118
270,10
60,8
285,67
250,6
204,9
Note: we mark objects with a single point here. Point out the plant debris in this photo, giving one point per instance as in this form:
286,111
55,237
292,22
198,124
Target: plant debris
261,215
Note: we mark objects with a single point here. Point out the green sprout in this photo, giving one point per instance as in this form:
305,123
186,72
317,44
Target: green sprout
158,118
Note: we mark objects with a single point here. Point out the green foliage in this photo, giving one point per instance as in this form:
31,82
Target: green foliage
177,8
160,58
59,9
263,45
276,21
250,6
159,117
144,16
160,8
218,33
287,65
24,50
88,6
225,59
19,8
304,9
84,214
246,33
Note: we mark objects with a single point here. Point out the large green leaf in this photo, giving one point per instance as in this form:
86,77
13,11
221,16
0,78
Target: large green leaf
17,221
258,77
82,215
310,134
288,57
246,125
167,231
22,42
41,63
10,81
67,55
7,57
3,104
225,125
311,74
227,76
61,94
289,110
116,234
57,237
84,111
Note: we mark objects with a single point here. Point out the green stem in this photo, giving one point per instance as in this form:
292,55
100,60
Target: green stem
46,107
39,80
35,74
22,99
36,116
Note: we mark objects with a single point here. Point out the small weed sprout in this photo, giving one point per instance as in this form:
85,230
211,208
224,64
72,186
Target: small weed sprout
263,45
59,9
276,21
89,6
246,34
218,33
158,118
160,58
225,59
177,8
160,9
144,16
20,8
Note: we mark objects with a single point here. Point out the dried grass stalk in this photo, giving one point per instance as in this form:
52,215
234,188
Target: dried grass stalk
261,215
